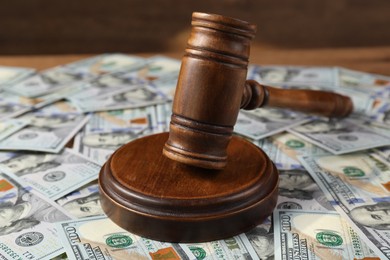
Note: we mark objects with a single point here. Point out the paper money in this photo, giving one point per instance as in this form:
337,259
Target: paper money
316,235
262,239
83,202
365,82
237,247
11,75
341,136
82,240
46,132
284,148
107,131
263,122
283,75
46,82
135,97
26,223
359,186
298,190
11,126
106,63
53,175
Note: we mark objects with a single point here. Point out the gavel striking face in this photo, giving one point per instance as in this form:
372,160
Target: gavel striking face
212,88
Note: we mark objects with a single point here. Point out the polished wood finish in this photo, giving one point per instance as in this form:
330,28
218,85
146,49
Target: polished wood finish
200,183
212,87
153,196
209,90
309,101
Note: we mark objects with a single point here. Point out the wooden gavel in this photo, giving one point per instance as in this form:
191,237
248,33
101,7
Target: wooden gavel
212,87
182,200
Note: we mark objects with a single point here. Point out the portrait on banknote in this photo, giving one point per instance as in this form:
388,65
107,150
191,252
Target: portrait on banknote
26,211
262,239
376,216
298,190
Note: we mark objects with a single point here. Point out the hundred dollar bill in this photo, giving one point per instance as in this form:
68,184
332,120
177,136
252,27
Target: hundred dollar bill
263,122
45,133
11,109
53,175
298,190
158,69
341,136
27,229
237,247
284,75
134,97
359,186
365,82
83,202
60,107
317,235
262,239
46,82
106,63
284,149
105,84
11,126
107,131
82,240
136,120
11,75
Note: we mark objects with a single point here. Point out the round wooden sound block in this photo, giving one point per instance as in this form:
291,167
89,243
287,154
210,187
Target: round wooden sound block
155,197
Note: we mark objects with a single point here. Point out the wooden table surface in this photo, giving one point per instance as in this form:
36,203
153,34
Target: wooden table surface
374,60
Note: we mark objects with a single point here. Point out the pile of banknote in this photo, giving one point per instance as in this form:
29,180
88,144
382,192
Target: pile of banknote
60,125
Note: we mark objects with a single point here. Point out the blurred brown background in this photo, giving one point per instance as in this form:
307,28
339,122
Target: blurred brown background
86,26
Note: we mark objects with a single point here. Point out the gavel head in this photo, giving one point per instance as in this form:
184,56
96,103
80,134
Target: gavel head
209,90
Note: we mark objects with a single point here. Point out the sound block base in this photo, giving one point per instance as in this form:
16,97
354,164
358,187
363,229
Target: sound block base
155,197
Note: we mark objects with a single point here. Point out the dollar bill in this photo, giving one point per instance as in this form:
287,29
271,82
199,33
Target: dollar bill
53,175
11,75
46,82
45,133
27,229
286,75
358,185
366,82
317,235
105,84
158,69
284,148
134,97
264,122
105,64
341,136
107,131
237,247
298,190
10,109
262,239
82,240
83,202
11,126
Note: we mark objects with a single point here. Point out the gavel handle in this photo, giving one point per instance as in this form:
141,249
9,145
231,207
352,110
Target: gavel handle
308,101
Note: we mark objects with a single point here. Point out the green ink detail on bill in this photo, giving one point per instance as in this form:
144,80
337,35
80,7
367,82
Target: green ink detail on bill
198,252
329,238
295,144
119,241
352,171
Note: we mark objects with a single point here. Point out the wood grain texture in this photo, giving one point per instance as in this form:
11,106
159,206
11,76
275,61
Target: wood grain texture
155,197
